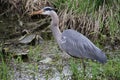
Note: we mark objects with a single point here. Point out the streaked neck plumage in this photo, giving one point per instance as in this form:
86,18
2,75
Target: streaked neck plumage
55,26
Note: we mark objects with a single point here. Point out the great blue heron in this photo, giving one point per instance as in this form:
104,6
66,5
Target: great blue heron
71,41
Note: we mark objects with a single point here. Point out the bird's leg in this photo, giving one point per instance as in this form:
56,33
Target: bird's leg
84,66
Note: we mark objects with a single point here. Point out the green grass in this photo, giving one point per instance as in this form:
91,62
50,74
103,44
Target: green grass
82,15
96,71
34,53
4,69
77,73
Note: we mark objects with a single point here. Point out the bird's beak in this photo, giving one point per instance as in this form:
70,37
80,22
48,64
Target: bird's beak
36,12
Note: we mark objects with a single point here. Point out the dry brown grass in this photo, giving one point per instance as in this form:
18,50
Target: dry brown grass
94,24
22,7
86,24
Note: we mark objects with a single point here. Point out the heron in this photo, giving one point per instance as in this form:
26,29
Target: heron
71,41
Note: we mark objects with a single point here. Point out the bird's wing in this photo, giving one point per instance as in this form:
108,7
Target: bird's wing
77,45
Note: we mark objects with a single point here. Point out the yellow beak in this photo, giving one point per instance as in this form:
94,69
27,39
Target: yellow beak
36,12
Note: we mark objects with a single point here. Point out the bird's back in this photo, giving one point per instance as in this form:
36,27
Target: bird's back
77,45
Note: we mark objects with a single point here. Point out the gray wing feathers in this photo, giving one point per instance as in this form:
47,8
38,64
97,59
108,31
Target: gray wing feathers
77,45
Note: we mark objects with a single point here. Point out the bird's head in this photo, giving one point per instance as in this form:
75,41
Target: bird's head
44,11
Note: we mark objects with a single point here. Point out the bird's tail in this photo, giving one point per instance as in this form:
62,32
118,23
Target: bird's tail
101,58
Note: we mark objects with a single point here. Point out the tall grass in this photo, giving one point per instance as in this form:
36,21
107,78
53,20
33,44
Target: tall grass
4,69
93,18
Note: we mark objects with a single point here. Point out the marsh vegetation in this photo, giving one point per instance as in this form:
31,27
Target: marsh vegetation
99,20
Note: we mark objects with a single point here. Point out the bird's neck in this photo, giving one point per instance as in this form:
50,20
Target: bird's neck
55,27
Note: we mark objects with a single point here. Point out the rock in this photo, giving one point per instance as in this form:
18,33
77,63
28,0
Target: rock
66,71
46,60
31,38
56,74
27,38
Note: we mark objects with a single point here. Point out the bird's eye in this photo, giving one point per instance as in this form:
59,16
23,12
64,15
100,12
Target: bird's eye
48,9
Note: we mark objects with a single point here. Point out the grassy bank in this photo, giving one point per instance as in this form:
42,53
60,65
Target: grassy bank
33,68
